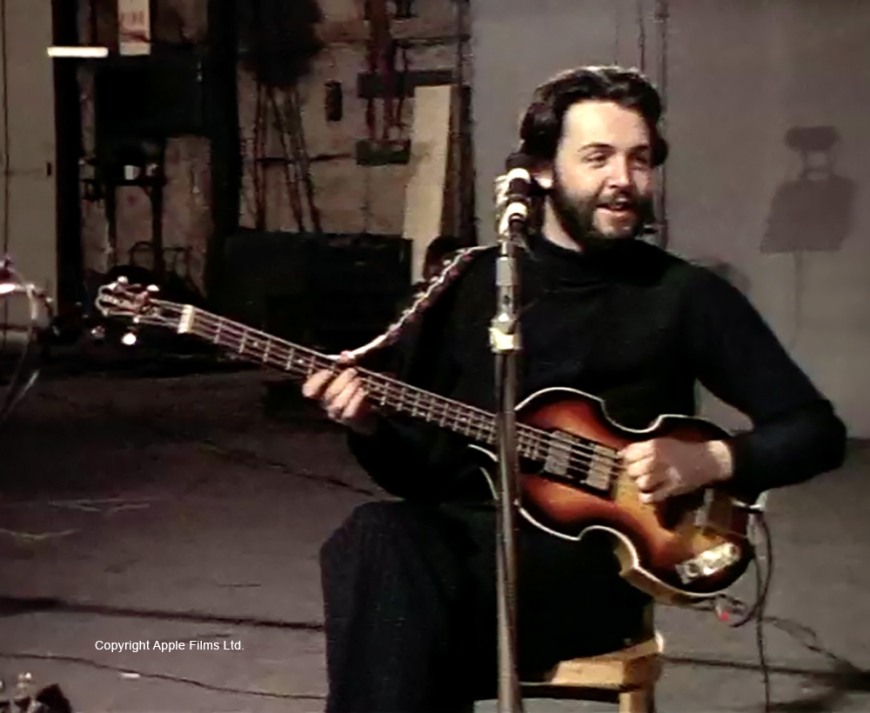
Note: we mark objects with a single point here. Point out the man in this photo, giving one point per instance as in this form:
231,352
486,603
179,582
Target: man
409,586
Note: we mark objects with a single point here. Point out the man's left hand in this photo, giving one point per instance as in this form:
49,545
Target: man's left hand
665,467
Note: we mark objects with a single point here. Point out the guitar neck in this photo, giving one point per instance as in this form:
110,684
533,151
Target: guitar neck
300,362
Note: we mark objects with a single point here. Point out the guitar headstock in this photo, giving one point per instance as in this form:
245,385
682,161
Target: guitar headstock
137,303
121,299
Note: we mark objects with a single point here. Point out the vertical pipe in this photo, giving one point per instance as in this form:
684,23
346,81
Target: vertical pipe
222,120
662,15
68,152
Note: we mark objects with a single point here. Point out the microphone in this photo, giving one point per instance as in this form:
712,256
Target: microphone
512,194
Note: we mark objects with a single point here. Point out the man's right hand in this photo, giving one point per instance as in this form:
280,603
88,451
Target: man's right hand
342,396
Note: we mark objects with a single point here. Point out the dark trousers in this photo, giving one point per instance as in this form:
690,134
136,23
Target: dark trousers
409,593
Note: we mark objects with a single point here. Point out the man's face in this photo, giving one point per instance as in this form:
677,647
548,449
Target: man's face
602,179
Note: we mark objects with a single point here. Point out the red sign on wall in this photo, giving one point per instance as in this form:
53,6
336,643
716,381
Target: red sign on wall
134,27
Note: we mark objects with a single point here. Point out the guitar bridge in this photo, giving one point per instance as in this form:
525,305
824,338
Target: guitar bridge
709,562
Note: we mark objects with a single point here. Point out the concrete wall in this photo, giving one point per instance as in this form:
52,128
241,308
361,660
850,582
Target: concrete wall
748,84
27,184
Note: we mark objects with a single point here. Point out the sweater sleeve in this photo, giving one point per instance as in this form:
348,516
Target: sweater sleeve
796,433
410,458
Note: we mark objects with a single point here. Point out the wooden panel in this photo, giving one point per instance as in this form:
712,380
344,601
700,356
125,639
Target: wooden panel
425,194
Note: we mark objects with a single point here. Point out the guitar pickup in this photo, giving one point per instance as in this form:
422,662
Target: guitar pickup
601,468
559,454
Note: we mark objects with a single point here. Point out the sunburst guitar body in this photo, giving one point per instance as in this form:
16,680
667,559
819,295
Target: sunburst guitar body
685,549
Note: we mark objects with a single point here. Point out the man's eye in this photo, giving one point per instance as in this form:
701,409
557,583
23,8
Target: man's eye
642,160
597,159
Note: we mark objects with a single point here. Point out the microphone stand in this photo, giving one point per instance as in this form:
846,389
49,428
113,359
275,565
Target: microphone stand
505,343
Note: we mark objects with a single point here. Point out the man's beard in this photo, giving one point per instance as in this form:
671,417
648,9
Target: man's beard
577,215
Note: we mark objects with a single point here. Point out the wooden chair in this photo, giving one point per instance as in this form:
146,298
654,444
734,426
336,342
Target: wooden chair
627,676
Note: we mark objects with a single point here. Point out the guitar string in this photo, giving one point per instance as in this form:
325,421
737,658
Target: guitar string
580,458
529,437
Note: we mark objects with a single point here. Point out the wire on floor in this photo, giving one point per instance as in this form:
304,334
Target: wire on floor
735,613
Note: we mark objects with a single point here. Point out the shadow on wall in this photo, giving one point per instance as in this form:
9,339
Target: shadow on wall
812,213
815,211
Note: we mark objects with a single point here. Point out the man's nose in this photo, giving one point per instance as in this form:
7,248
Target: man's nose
620,172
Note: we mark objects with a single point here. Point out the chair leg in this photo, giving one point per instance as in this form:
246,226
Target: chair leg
641,700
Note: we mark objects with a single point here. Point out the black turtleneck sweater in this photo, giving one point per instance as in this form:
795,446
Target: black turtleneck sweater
631,324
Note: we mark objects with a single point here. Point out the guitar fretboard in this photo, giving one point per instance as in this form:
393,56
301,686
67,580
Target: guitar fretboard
564,455
301,362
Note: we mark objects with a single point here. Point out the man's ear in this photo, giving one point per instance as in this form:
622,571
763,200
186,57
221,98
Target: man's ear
543,177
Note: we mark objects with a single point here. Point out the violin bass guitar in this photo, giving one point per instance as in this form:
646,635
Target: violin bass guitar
682,551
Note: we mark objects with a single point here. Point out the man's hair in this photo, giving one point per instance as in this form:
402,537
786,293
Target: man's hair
542,125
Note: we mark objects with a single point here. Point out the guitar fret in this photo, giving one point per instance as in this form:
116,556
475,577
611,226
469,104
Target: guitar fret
217,333
242,342
456,421
266,351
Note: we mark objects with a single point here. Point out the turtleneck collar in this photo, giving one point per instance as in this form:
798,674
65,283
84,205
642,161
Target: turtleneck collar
619,260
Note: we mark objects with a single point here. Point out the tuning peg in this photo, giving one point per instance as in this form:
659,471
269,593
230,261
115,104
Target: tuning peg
153,289
130,338
98,333
122,280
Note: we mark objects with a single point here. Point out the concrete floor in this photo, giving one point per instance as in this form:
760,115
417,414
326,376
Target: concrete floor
176,510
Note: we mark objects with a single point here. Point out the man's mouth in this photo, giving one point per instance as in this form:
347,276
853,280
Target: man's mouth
618,207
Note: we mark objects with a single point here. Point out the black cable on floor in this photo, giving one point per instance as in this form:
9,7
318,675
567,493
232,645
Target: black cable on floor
727,606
